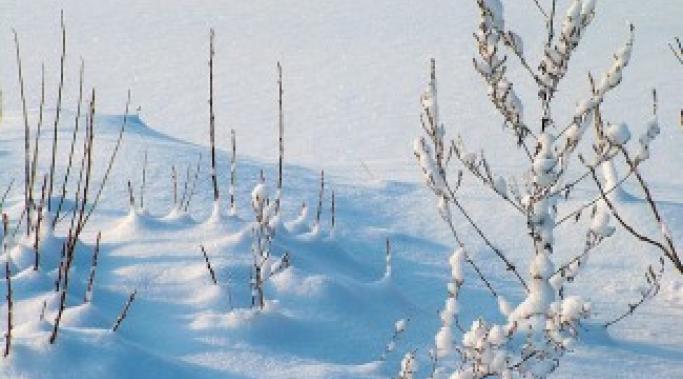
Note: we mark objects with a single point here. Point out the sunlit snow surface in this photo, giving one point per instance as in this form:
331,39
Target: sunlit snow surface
353,75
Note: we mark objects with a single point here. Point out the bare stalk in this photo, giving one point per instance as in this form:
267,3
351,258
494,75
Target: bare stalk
58,280
70,246
8,335
281,132
320,197
73,144
4,195
144,180
81,171
387,258
8,281
34,161
131,197
333,211
194,183
81,220
26,135
185,188
124,312
57,113
174,183
257,295
208,265
233,169
212,126
42,311
677,50
91,278
39,221
540,9
111,162
551,23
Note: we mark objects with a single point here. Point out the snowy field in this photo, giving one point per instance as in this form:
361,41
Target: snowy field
353,75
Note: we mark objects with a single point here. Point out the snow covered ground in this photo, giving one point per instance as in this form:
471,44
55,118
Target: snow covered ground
353,74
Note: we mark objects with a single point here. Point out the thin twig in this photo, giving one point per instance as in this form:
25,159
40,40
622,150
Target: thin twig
131,197
174,183
91,278
4,195
34,161
208,265
67,173
678,52
333,211
57,113
671,251
281,132
124,312
540,8
8,282
653,278
186,184
88,171
669,254
111,162
39,221
144,180
320,197
212,126
233,168
26,135
194,183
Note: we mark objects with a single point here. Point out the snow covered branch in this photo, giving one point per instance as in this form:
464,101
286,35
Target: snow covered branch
263,231
544,326
399,328
433,161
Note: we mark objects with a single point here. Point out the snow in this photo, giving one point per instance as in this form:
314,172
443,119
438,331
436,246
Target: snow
408,366
600,224
353,71
443,341
504,307
456,261
400,325
618,134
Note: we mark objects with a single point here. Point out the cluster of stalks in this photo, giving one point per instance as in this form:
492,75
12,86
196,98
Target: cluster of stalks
48,208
